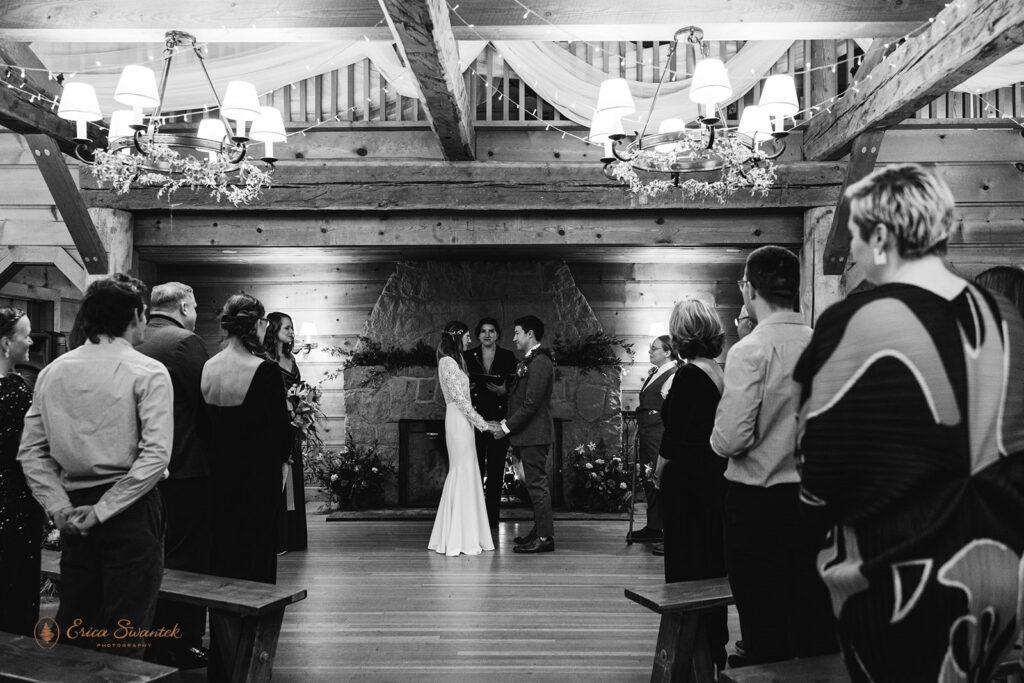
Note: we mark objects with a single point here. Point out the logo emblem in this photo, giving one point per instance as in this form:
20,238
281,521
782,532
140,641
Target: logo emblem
46,633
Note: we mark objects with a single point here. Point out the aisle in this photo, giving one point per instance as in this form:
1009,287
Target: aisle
383,608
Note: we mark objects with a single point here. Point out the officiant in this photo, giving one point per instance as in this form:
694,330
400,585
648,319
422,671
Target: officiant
490,368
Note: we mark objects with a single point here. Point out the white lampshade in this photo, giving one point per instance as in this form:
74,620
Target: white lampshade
614,97
778,97
137,87
268,127
212,129
604,125
307,330
710,83
78,103
241,103
121,124
755,124
671,126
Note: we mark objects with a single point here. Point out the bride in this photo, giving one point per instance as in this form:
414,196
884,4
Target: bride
461,524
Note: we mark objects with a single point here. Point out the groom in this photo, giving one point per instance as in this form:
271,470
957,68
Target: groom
531,430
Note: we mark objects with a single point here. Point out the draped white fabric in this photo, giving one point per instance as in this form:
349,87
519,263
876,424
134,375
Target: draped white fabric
571,84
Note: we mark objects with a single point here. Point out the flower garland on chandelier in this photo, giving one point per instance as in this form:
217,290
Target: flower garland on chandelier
744,169
122,170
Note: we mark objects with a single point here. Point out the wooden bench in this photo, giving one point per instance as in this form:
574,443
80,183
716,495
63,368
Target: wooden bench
825,669
682,653
247,613
22,659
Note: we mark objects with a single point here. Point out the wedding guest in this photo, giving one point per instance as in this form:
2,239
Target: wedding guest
291,527
744,323
21,518
650,428
170,339
97,440
1005,280
912,444
690,474
769,551
250,449
490,399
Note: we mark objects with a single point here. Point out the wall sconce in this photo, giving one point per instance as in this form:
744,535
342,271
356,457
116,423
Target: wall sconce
307,331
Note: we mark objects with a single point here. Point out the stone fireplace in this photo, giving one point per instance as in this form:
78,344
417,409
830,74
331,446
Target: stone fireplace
419,298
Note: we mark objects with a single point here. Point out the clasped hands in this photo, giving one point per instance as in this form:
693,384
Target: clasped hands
76,521
495,429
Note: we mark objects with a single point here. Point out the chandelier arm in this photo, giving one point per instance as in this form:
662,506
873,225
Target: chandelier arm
170,43
654,100
213,89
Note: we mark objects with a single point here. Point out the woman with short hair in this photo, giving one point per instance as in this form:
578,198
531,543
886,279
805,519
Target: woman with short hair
911,438
691,476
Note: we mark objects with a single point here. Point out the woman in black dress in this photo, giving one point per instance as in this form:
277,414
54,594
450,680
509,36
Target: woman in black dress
291,527
21,518
690,474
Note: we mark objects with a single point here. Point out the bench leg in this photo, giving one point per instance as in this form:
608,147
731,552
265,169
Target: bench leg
250,644
682,654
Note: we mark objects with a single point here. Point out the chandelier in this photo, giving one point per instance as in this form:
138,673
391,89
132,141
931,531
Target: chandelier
215,157
681,155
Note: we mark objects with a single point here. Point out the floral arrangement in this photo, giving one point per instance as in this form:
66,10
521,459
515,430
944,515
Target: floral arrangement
370,353
743,169
353,477
122,170
304,405
602,480
593,352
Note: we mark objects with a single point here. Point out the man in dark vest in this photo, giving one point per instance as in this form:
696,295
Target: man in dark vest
170,339
531,429
490,367
650,429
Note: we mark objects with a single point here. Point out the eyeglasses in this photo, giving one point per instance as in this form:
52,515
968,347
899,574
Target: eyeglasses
740,319
265,321
656,348
740,283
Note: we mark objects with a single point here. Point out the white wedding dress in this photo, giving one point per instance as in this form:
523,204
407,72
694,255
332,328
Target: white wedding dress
461,524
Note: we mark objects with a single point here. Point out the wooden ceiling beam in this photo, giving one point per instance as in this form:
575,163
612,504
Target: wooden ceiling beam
965,37
108,21
24,114
423,36
405,185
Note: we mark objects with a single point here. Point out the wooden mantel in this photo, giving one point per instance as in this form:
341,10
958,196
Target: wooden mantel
470,186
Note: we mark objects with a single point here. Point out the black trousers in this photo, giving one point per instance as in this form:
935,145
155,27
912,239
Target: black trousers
490,453
112,575
535,467
784,607
186,547
650,431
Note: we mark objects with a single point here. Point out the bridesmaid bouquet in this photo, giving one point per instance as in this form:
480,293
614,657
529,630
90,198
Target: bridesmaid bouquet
304,405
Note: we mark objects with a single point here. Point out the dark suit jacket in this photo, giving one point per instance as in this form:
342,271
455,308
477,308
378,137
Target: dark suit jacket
183,354
529,405
490,405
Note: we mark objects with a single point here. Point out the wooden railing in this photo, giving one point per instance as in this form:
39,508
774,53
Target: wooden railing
358,93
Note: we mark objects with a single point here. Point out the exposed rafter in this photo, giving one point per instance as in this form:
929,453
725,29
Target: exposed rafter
598,20
965,37
423,36
13,258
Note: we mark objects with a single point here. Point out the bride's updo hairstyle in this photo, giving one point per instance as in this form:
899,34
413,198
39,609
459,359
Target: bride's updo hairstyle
451,342
238,319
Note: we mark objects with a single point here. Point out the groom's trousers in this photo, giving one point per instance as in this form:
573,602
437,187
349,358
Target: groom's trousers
535,467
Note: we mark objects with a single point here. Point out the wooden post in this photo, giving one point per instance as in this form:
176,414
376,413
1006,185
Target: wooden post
817,290
115,228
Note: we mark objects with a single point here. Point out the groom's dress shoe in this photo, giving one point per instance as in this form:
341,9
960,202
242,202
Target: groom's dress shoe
528,538
536,546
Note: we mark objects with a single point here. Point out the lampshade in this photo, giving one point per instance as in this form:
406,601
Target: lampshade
614,97
241,102
671,126
268,127
121,124
710,83
307,330
137,87
212,129
604,125
78,103
778,97
755,124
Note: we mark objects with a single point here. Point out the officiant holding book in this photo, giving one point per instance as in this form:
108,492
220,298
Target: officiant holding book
490,367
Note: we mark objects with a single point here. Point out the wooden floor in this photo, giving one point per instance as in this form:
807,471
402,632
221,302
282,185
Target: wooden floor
381,607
